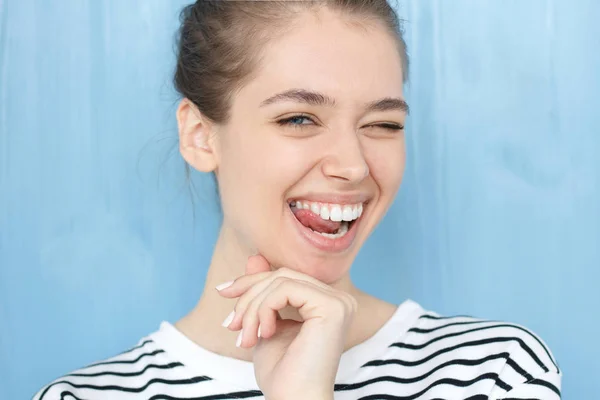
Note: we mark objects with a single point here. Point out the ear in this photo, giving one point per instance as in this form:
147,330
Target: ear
196,137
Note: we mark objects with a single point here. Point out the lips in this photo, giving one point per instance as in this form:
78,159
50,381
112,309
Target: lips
315,222
327,244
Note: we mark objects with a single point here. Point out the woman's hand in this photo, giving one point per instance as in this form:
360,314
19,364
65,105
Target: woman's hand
291,359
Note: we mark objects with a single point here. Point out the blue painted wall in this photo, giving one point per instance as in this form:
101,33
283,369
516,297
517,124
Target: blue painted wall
499,214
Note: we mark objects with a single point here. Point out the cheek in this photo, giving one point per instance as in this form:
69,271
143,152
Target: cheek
386,165
273,163
256,170
241,176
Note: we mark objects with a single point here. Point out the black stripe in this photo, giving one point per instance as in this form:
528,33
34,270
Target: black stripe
438,317
395,379
155,352
103,363
445,381
506,356
387,378
234,395
514,398
470,363
140,389
135,373
490,340
67,393
421,330
450,349
518,368
377,363
476,397
542,382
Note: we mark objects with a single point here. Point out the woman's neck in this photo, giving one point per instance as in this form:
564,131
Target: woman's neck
203,324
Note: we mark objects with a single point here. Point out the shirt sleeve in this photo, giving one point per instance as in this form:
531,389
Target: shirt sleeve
544,387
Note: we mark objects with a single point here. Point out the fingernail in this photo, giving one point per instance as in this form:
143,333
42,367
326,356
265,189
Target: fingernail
224,285
258,334
238,342
229,319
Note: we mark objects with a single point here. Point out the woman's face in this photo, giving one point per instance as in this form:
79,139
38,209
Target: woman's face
340,89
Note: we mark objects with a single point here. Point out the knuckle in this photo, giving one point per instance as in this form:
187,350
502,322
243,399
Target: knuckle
263,310
238,308
247,318
251,312
242,303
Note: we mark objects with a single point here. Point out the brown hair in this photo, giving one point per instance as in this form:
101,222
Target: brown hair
220,41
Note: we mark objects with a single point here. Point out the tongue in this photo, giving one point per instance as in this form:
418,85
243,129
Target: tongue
315,222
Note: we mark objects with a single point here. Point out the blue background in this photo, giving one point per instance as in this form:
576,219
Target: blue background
499,214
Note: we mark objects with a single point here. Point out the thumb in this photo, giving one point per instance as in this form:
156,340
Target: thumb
256,264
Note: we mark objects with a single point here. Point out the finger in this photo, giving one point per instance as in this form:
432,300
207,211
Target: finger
248,294
241,284
298,294
252,320
244,283
257,267
256,316
246,299
257,263
311,301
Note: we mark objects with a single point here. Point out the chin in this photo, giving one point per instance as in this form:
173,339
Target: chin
328,268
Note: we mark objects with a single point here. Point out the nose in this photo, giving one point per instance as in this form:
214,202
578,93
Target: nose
345,160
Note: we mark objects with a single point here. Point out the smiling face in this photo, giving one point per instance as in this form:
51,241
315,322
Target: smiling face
315,136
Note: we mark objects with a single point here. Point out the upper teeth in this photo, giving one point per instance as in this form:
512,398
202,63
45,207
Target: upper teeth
333,212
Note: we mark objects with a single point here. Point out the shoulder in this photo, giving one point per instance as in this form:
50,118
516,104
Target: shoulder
509,353
122,372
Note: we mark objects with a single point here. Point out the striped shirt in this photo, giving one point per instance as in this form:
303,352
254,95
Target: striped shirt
417,354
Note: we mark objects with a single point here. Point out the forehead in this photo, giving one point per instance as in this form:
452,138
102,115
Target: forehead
346,61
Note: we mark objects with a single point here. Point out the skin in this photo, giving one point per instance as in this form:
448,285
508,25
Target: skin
261,165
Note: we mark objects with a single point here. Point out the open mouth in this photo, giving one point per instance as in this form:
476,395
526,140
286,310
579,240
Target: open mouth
327,226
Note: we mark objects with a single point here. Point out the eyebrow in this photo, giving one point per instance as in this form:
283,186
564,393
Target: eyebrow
319,99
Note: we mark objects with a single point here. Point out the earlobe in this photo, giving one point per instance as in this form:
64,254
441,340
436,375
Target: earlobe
195,137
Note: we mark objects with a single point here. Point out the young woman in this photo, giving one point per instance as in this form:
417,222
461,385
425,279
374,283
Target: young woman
298,110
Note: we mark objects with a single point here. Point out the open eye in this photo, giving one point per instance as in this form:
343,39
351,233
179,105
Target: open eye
295,121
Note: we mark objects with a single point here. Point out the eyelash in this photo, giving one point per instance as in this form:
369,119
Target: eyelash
287,122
